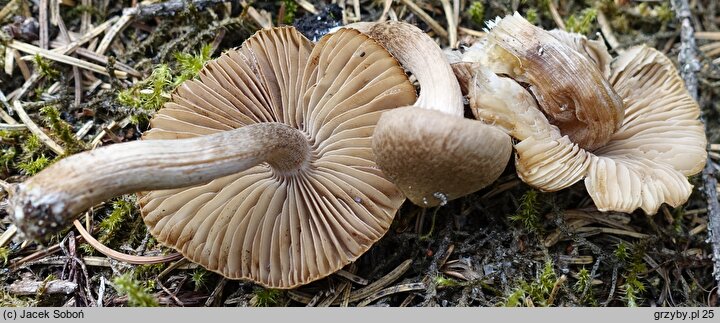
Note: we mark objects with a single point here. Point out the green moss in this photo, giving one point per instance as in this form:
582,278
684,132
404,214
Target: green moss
7,155
516,298
631,259
665,13
537,290
199,278
9,300
291,8
477,12
528,213
32,158
583,284
62,130
31,145
121,212
4,255
264,297
148,272
190,65
137,294
446,282
34,165
583,22
87,249
150,95
532,16
622,252
45,68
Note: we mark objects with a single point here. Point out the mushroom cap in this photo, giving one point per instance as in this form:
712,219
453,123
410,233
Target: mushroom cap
284,229
662,141
435,157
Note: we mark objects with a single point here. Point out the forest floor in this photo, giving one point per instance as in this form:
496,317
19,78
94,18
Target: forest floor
507,245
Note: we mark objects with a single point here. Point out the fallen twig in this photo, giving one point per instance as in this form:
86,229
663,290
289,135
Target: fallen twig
689,66
31,287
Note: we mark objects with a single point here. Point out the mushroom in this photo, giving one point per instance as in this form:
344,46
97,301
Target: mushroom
644,162
261,169
429,149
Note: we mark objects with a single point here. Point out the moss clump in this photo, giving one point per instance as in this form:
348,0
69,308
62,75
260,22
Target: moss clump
528,214
631,259
191,64
265,297
583,287
62,130
137,294
45,68
32,158
199,278
34,165
537,291
476,11
446,282
531,15
150,95
122,210
582,23
291,8
6,157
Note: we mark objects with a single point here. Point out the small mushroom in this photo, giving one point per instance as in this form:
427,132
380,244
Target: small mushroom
429,149
260,169
644,162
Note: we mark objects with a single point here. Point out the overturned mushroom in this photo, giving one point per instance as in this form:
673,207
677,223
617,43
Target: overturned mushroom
429,149
642,164
262,169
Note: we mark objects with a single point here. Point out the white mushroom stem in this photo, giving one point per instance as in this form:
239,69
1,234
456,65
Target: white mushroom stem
418,53
48,201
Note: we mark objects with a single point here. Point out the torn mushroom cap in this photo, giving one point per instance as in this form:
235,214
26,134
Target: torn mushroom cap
645,162
569,88
276,139
430,150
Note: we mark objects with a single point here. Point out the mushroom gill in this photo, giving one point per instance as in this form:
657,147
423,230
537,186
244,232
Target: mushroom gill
645,160
260,169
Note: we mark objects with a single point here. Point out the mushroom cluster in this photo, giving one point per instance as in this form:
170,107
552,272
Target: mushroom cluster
627,126
261,169
271,166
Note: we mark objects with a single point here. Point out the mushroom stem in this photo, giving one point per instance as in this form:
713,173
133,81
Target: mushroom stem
48,201
418,53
